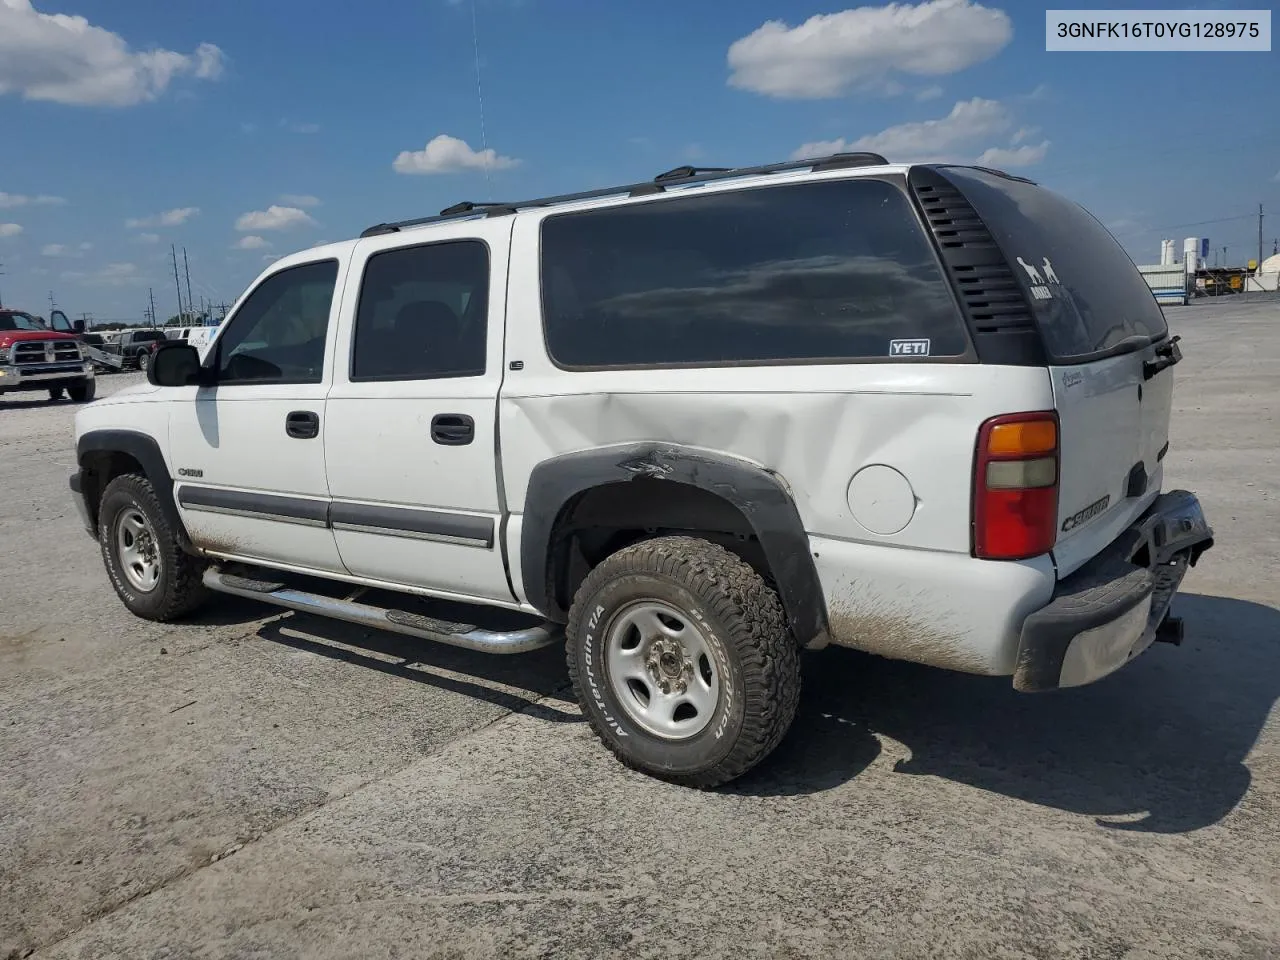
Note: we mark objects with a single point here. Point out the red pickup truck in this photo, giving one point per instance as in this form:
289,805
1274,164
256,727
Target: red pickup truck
33,357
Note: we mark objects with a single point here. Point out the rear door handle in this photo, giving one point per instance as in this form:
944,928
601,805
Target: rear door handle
452,429
302,424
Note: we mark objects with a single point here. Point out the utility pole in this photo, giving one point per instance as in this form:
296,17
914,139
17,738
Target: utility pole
177,285
87,318
190,305
152,312
52,305
1,275
1259,237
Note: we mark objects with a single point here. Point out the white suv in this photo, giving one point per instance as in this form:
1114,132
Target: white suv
688,427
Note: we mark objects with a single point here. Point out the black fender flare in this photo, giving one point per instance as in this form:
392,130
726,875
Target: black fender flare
146,451
760,495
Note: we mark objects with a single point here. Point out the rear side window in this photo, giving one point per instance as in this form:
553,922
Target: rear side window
820,271
1085,292
423,313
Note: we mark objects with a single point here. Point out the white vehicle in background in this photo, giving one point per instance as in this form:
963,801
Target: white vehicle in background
687,427
199,337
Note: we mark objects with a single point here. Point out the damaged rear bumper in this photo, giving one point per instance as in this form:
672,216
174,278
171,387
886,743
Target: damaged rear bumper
1109,611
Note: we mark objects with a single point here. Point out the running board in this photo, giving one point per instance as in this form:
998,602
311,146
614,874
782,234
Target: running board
398,621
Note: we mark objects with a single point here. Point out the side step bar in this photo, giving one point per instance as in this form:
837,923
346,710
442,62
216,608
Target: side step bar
398,621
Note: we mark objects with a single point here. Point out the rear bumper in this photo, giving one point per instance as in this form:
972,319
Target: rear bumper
1108,611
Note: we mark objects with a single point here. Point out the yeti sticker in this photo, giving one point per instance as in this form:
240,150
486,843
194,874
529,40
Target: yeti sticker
909,348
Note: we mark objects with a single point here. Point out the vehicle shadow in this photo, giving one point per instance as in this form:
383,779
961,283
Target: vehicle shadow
540,674
1158,746
40,400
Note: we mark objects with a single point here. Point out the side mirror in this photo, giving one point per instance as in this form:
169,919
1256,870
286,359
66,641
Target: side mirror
174,365
77,326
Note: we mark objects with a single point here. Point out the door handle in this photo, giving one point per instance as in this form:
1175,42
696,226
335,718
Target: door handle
452,429
302,424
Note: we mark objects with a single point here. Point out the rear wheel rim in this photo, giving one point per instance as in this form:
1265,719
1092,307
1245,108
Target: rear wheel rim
137,549
662,670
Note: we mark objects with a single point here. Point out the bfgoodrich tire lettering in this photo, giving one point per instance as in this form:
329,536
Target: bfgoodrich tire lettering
178,588
741,621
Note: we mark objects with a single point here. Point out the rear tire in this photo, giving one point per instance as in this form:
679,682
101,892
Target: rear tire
151,573
144,361
83,392
682,661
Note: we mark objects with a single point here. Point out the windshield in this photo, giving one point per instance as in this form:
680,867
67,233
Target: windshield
12,320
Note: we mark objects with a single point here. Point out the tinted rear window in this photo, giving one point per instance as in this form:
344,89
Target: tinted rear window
819,271
1085,292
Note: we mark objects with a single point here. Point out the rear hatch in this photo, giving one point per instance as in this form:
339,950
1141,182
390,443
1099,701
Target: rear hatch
1108,353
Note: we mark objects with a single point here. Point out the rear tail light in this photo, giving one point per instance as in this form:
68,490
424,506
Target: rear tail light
1015,486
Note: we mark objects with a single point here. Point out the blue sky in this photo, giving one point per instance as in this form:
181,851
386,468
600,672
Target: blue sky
244,131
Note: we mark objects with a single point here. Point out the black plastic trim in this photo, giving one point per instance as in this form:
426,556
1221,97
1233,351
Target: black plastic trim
141,448
1000,321
1149,557
759,495
408,521
268,505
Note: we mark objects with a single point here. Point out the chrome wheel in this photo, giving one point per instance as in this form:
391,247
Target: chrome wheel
662,669
137,550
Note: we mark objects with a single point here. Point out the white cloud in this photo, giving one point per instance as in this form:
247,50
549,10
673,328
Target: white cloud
251,242
274,218
831,54
10,200
294,127
55,250
86,246
170,218
446,154
304,200
65,59
1023,133
113,275
10,229
929,93
1015,156
1276,178
968,121
148,238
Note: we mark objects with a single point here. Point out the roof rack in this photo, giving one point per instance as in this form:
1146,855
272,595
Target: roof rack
680,176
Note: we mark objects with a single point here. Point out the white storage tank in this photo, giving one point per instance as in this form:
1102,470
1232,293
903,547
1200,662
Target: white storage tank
1166,253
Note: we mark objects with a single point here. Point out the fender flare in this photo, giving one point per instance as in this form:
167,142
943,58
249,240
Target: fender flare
146,451
760,495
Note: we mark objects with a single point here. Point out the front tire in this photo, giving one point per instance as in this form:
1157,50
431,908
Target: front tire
55,393
682,661
83,392
151,573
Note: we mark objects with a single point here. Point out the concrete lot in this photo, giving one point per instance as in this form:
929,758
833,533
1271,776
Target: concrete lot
257,784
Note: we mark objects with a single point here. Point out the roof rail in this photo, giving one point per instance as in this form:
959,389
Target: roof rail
680,176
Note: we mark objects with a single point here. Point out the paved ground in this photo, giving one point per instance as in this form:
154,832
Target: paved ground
263,785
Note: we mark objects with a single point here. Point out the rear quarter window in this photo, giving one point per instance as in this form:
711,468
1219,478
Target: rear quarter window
813,272
1085,293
